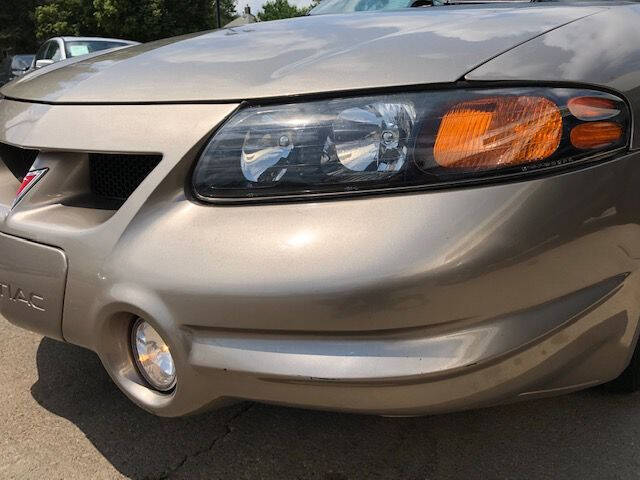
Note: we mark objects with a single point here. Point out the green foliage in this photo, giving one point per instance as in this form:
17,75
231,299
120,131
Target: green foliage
64,17
146,20
227,11
313,4
25,23
17,26
142,20
277,9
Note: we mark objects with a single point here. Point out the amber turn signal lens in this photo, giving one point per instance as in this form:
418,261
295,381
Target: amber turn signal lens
588,136
593,108
498,132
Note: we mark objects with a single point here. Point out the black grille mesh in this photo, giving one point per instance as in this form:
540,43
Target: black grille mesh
118,175
17,160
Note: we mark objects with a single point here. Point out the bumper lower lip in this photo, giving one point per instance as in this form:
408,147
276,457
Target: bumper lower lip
397,355
579,342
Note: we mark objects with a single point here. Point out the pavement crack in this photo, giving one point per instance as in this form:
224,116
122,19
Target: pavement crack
228,426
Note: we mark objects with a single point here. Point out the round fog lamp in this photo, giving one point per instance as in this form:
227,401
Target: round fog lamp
152,356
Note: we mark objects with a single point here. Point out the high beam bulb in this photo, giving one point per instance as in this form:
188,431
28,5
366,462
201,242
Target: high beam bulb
373,138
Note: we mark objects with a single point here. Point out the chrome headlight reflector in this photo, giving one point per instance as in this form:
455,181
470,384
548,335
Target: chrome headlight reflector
406,140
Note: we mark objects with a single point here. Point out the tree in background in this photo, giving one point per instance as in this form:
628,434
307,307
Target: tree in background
146,20
67,17
17,24
227,11
313,4
26,23
142,20
278,9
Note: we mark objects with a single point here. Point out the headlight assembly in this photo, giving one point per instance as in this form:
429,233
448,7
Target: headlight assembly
405,141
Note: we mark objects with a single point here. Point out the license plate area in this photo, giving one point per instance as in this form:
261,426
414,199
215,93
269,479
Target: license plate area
32,284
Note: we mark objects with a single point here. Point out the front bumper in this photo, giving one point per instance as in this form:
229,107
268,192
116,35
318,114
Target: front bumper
401,304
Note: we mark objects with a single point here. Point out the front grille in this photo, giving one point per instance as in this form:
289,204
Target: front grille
18,160
118,175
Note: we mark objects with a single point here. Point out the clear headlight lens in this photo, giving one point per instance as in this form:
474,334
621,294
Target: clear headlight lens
369,138
403,141
152,356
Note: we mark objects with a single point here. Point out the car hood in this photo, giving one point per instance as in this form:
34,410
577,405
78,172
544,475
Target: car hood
324,53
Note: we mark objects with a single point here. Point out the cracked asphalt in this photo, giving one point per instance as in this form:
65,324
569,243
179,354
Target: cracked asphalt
62,418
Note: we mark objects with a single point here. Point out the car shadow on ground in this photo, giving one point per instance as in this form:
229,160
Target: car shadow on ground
590,434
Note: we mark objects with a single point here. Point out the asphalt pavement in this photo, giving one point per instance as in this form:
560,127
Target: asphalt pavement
61,417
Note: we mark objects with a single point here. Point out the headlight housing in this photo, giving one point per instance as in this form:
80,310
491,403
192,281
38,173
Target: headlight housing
405,141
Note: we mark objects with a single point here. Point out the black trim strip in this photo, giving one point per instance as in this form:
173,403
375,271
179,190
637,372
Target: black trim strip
305,97
452,185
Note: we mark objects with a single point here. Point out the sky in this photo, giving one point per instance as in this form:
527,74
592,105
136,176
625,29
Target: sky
257,4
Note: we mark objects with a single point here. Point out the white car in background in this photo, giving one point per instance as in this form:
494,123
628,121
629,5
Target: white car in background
60,48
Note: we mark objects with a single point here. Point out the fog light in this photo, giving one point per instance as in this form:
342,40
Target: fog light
152,356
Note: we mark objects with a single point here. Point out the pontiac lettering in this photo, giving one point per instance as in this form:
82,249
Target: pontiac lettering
15,294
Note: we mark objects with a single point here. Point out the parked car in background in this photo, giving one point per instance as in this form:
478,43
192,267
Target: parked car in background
5,71
61,48
16,66
20,64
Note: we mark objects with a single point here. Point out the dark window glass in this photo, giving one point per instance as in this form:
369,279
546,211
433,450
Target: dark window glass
53,52
76,48
42,51
21,62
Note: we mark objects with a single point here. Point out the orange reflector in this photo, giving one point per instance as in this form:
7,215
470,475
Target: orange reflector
596,135
592,108
498,132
